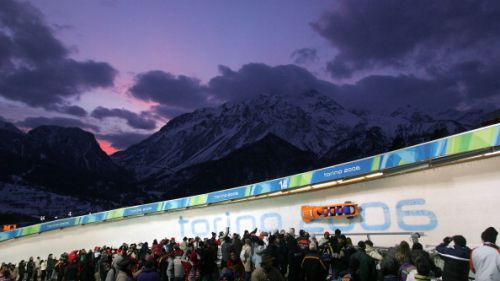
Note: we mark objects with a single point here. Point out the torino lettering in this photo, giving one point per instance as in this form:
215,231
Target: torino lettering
410,214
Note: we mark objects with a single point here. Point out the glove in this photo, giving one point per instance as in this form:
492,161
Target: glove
447,240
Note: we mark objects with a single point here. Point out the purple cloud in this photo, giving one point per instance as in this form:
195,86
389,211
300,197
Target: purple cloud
134,120
34,65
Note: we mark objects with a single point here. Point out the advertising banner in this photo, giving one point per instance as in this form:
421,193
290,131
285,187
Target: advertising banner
142,209
224,195
343,171
59,224
97,217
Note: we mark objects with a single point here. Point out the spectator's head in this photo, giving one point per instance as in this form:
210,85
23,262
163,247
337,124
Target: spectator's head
348,241
489,235
362,245
369,243
459,240
423,266
149,264
233,255
417,246
403,252
326,234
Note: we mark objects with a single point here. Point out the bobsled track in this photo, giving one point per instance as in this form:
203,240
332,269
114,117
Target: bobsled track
445,187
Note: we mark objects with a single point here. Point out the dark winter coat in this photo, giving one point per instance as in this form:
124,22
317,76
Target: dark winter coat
367,270
313,268
148,274
456,262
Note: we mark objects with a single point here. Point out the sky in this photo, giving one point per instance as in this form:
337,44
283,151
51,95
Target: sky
122,69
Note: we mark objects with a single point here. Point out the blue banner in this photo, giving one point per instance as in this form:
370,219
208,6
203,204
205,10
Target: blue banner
269,186
229,194
142,209
59,224
175,204
93,218
343,171
9,234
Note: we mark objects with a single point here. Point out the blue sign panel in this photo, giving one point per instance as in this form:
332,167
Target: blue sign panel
58,224
234,193
142,209
343,171
175,204
93,218
269,186
9,234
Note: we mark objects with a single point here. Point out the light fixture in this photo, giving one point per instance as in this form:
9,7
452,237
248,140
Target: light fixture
492,153
325,184
374,175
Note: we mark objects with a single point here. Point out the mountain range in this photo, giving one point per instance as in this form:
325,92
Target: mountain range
214,148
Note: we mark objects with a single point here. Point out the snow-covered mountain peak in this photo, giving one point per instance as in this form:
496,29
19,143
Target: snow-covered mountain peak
310,121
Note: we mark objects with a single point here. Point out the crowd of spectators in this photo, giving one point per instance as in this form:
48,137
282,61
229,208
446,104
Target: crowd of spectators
265,257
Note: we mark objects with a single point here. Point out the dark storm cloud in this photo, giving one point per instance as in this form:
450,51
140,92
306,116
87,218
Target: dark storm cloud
134,120
123,140
373,34
305,55
33,122
72,110
34,65
254,79
178,92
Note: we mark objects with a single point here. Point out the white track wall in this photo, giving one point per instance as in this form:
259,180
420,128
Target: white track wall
456,199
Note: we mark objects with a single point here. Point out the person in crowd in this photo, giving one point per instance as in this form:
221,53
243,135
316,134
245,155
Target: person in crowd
71,270
246,258
267,271
148,272
30,269
226,249
485,259
422,272
178,266
43,269
51,262
104,265
282,253
36,272
402,254
273,250
313,268
389,269
5,274
366,270
417,251
236,266
258,249
295,257
456,258
372,252
21,270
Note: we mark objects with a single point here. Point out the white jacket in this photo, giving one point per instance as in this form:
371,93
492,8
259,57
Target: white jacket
486,261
